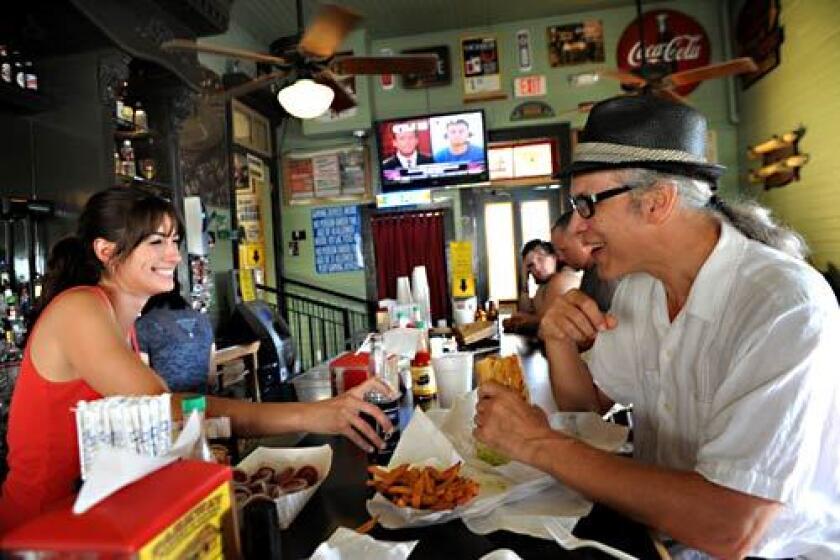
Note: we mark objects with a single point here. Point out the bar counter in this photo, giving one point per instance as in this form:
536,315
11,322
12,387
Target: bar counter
341,501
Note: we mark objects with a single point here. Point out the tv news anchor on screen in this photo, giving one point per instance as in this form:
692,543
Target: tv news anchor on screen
459,147
405,139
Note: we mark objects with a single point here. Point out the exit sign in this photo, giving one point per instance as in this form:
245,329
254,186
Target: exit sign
529,86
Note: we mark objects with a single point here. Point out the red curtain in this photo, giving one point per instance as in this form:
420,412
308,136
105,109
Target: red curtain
403,241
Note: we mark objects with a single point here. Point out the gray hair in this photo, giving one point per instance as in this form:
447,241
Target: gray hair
747,216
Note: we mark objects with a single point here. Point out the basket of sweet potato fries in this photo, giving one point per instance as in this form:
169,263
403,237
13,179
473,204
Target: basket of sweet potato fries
426,488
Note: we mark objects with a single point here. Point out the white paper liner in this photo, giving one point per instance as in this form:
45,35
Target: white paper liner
443,438
345,544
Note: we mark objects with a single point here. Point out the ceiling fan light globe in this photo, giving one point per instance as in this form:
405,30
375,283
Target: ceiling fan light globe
306,99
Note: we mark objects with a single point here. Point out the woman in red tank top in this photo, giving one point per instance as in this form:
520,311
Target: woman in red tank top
81,348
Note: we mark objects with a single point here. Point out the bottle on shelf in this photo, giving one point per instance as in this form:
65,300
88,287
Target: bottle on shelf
129,167
18,72
141,121
30,76
197,404
5,65
492,311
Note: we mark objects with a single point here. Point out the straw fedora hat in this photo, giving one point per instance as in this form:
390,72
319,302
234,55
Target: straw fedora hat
644,131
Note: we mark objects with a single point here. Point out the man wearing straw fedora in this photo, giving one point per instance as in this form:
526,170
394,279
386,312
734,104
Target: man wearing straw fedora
722,337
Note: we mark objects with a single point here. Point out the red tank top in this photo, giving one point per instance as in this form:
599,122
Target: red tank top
43,451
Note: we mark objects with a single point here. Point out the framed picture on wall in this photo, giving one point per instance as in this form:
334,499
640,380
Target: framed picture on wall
576,43
329,175
480,68
441,77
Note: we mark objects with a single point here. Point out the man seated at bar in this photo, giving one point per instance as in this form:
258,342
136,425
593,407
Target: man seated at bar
552,278
723,338
577,255
83,347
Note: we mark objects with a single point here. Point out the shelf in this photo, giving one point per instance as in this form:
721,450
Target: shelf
146,134
155,187
18,100
125,130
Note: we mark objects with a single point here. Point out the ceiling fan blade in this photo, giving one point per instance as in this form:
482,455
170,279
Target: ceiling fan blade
626,78
582,108
408,64
187,45
342,100
327,31
671,95
719,70
253,85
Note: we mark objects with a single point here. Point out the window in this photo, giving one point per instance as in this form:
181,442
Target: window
501,251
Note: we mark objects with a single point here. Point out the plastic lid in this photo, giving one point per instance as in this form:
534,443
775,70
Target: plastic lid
196,402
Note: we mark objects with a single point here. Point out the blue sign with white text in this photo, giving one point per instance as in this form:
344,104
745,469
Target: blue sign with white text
337,231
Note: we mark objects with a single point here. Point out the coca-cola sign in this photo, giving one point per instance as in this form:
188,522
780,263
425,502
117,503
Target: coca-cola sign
671,38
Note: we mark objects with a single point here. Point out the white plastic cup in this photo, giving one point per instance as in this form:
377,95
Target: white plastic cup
403,290
454,376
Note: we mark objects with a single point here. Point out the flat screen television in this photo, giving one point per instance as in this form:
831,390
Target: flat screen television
432,151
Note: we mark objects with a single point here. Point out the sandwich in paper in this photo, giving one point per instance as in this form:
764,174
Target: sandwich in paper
506,371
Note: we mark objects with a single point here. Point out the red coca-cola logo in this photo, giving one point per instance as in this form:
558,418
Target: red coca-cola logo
671,38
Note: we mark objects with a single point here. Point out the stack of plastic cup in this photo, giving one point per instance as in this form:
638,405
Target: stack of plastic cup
420,292
403,290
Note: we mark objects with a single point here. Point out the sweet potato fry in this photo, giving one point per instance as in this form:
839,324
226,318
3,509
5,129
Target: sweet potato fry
424,487
368,525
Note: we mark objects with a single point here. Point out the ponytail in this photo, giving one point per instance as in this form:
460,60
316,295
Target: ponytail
749,217
755,222
71,263
121,215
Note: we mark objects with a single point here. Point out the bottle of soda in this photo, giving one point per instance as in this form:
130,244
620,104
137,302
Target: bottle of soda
381,367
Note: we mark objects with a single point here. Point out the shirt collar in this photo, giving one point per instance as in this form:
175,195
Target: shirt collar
409,161
713,283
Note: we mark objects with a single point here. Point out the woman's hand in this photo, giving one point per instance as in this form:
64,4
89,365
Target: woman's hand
341,415
507,423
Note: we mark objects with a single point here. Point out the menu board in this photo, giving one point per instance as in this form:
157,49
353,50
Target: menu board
326,175
338,239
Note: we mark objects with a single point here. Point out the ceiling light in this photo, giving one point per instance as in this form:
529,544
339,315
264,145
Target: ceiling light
306,99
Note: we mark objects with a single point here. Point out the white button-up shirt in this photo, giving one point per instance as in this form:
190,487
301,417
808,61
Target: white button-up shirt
742,387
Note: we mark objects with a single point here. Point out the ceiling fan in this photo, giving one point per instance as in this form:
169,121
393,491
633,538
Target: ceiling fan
658,77
309,68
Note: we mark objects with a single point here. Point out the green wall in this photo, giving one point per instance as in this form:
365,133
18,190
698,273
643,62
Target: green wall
803,89
711,97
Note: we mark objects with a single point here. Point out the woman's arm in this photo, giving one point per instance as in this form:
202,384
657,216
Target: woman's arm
78,337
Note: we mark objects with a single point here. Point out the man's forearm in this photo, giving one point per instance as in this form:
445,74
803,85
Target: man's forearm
682,504
571,381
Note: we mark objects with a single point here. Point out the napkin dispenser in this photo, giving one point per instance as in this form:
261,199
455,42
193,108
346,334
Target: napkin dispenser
180,511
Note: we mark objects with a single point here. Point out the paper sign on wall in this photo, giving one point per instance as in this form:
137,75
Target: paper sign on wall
463,277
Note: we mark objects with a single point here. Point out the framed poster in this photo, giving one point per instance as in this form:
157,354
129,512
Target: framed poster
441,77
330,175
480,69
242,174
576,43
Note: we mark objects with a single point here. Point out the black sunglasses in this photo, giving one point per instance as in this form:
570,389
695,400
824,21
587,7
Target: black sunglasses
584,204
